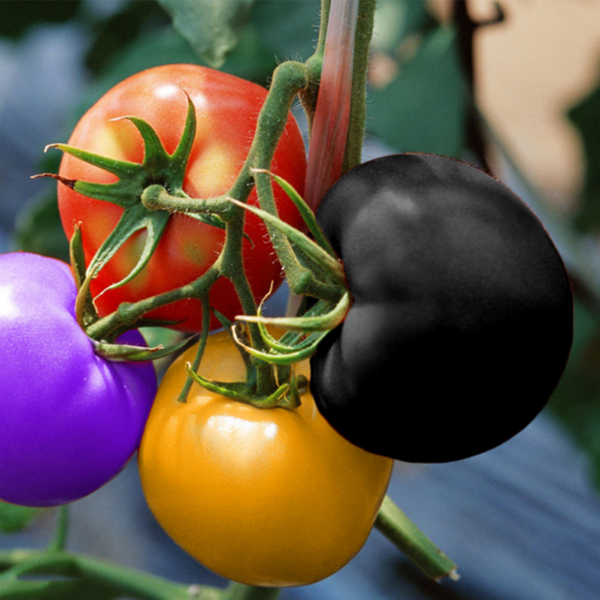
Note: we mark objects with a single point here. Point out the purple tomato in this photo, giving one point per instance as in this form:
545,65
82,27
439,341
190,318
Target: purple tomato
69,419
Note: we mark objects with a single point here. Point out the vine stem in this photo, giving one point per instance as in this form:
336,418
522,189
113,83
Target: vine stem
335,106
123,580
412,542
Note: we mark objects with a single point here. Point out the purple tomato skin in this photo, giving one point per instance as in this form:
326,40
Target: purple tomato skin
69,419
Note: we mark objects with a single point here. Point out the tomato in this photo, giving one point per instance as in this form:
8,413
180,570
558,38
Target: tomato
69,419
227,108
462,314
268,497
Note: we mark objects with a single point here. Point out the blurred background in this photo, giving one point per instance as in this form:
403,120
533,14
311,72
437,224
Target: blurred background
513,86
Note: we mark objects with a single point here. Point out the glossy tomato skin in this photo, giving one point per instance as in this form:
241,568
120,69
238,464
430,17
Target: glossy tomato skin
462,314
69,419
227,108
268,497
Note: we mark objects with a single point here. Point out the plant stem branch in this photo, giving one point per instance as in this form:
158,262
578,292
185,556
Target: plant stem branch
123,580
59,540
412,542
358,107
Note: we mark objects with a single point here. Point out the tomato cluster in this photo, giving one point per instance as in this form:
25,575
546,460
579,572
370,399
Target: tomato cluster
460,322
264,497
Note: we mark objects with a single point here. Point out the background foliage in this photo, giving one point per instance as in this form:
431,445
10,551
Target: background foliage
420,99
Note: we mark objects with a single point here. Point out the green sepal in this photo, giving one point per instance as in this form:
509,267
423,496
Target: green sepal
307,214
84,307
133,178
239,391
321,322
133,219
225,322
321,261
289,356
37,588
129,353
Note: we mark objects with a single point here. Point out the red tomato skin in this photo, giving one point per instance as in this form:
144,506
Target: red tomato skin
227,109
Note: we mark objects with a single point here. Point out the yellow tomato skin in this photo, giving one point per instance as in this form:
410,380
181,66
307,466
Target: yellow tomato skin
267,497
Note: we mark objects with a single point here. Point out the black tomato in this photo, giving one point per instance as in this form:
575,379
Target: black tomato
462,316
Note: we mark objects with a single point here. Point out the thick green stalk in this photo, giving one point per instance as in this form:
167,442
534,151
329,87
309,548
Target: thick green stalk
358,107
412,542
122,580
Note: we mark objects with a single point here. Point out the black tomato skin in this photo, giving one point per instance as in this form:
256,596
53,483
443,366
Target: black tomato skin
462,316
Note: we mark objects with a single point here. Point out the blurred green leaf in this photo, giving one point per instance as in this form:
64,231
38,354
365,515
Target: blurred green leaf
288,29
120,29
15,518
576,400
165,46
212,27
585,116
39,229
18,16
396,20
423,109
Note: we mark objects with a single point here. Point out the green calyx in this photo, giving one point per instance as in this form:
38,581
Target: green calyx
158,166
149,193
139,186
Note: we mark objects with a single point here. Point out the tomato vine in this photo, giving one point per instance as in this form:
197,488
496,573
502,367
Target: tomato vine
311,269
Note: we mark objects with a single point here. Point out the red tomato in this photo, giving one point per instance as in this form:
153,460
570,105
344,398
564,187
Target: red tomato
227,108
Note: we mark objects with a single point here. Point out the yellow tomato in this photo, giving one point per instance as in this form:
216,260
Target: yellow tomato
268,497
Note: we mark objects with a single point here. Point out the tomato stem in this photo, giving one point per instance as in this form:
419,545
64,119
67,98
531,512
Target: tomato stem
411,541
358,107
59,540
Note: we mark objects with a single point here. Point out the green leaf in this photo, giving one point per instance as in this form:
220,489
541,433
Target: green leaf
15,518
287,29
424,108
18,16
397,20
585,116
39,230
212,27
112,34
